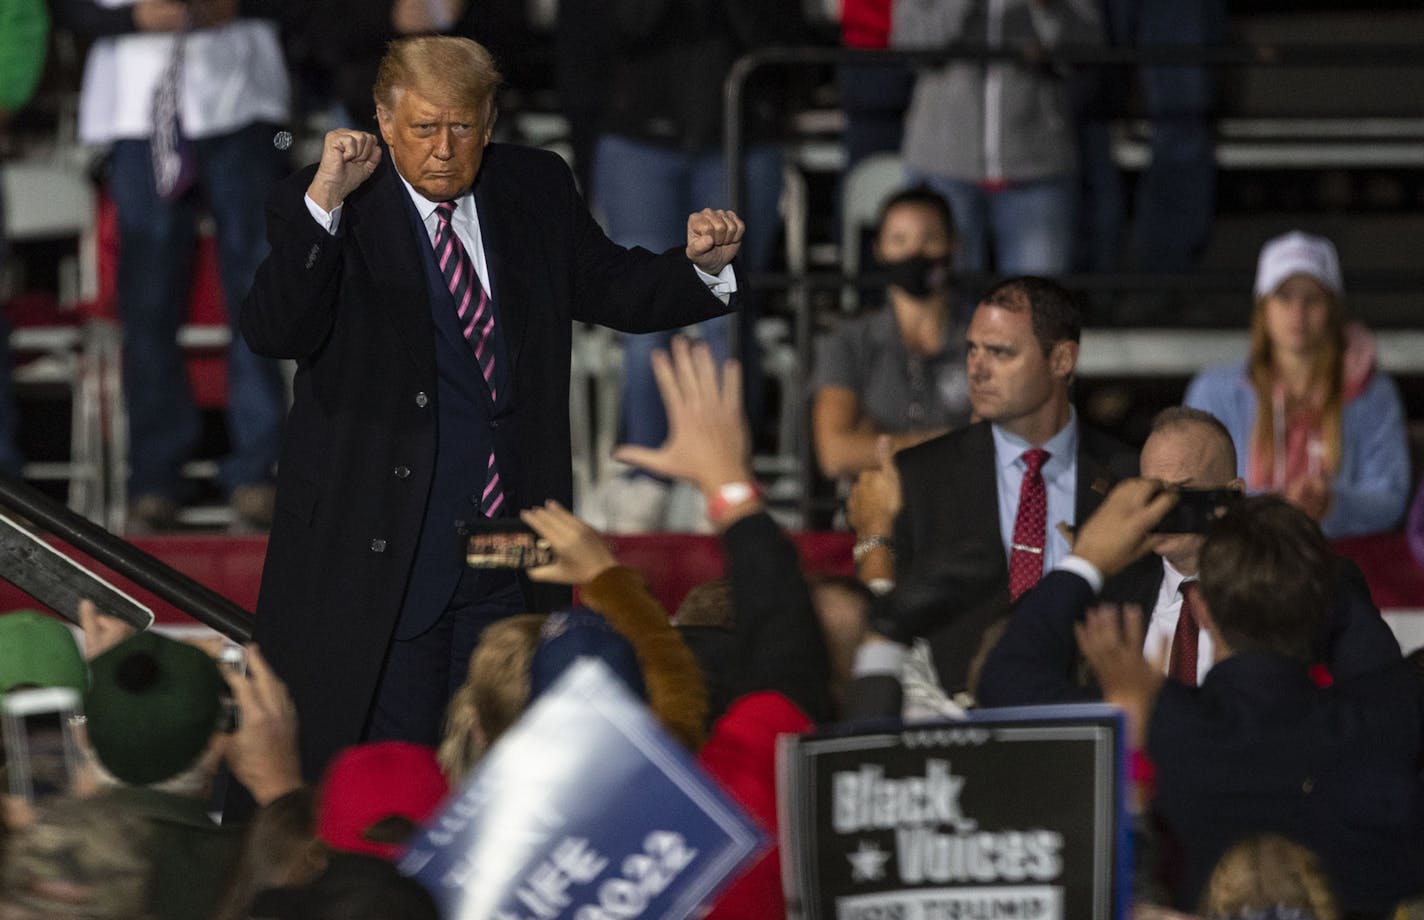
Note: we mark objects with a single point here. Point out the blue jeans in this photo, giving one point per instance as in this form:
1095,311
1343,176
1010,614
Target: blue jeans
1031,224
156,243
645,193
1176,196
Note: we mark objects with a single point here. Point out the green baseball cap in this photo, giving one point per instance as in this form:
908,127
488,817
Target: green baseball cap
40,650
152,706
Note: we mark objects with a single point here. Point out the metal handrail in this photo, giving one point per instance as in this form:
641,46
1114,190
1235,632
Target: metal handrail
198,601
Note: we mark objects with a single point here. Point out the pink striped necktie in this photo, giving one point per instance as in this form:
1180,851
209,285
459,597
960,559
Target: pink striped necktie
475,315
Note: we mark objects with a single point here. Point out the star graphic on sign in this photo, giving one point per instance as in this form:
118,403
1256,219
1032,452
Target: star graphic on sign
867,863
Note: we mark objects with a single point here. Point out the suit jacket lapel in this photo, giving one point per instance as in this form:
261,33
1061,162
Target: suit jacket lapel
980,479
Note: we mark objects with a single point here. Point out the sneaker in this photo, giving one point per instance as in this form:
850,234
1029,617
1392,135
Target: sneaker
252,508
150,514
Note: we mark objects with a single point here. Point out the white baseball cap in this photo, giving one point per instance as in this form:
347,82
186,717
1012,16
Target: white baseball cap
1298,253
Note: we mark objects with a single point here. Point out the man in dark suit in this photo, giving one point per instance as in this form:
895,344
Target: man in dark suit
1191,449
1259,747
960,541
425,283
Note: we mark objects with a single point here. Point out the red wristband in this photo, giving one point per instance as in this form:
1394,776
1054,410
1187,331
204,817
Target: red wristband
731,495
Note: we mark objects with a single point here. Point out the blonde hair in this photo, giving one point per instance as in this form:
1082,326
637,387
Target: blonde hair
707,604
1327,374
1268,871
444,68
494,694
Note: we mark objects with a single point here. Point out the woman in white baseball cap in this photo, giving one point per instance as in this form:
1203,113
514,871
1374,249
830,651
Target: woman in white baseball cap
1312,416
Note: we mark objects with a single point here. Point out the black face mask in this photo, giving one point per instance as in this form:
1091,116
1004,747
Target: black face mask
919,276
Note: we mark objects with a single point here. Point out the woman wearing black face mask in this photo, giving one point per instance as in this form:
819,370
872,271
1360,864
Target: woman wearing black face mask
896,373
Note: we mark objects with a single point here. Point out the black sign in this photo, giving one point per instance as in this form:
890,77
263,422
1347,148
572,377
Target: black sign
1010,815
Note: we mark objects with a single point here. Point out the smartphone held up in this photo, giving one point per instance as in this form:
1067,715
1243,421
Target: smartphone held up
41,748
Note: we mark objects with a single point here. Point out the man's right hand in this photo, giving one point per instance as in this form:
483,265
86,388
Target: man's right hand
348,158
262,753
875,499
1120,531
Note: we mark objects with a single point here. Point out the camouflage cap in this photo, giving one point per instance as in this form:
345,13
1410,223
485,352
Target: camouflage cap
81,857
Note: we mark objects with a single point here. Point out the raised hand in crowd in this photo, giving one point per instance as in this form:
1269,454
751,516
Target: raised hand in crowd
708,442
101,631
262,752
580,555
1110,639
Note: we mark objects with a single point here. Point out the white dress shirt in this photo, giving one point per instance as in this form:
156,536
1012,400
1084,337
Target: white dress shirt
233,75
1162,625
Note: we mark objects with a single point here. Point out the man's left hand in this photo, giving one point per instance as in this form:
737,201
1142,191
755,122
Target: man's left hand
713,238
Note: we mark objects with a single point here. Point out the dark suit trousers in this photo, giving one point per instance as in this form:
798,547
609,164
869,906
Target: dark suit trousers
423,672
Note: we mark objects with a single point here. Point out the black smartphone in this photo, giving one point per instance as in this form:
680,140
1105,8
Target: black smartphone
501,543
1196,509
41,753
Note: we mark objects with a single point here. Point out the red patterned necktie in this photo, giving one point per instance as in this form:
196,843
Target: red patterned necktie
476,318
1026,556
1182,666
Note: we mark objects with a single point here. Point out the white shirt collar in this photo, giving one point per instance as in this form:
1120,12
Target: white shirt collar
425,207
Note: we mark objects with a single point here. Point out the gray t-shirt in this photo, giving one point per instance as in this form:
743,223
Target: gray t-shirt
898,391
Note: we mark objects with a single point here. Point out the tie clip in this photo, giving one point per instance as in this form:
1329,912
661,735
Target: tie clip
1029,549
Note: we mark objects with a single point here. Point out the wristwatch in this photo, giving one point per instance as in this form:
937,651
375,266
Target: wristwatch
730,495
865,545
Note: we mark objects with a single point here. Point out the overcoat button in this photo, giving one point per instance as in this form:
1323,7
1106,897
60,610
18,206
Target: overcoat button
402,472
378,545
422,400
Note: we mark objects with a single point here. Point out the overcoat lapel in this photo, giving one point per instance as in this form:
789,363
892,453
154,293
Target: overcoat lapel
514,257
388,244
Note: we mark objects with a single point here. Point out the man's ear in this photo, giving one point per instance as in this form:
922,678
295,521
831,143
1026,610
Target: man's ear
1063,358
489,122
385,120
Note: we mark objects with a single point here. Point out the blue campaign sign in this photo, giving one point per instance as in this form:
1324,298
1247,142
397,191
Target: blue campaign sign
1010,814
585,809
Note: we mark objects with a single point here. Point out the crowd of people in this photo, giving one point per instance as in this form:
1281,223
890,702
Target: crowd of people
1283,761
424,279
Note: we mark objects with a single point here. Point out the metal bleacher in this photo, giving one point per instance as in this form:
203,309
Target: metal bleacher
1334,147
